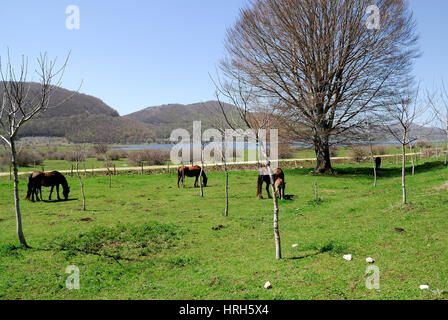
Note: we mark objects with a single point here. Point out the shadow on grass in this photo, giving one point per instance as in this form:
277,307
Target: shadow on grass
331,246
383,172
57,201
390,172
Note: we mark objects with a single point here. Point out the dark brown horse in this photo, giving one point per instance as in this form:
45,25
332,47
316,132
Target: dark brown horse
263,176
39,179
378,163
191,171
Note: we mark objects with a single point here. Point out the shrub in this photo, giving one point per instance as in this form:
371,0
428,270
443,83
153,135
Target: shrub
25,158
117,155
379,150
153,157
100,148
334,151
285,151
358,153
423,144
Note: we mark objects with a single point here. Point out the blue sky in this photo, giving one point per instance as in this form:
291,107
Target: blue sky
134,54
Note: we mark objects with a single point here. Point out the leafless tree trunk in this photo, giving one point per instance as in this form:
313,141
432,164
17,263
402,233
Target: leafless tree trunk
16,196
412,158
20,104
245,104
403,167
402,112
226,211
82,187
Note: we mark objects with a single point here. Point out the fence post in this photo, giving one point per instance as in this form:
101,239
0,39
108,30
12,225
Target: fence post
115,170
71,174
141,163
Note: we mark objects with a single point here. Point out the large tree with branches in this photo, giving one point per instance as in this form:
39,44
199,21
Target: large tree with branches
319,64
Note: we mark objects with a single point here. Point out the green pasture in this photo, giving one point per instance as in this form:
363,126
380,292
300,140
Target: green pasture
146,239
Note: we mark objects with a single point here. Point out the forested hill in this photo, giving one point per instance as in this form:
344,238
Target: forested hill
83,118
162,120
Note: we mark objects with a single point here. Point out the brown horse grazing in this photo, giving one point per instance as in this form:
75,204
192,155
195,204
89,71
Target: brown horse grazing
263,176
191,171
38,179
279,188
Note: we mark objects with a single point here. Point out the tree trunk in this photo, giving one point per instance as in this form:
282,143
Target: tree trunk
403,171
226,211
82,187
446,154
278,248
323,161
372,158
16,196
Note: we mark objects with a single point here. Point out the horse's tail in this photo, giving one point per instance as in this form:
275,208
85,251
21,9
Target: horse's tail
30,188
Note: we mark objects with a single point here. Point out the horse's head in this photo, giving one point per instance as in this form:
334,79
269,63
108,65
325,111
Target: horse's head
66,192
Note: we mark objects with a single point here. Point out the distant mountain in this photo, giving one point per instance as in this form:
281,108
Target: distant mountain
162,120
84,118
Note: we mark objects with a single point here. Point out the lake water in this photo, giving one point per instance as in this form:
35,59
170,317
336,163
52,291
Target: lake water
169,146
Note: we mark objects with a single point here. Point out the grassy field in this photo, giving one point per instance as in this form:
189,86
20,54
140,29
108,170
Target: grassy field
145,239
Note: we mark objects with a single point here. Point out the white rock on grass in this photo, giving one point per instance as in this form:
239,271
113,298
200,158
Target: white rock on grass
370,260
424,287
295,245
268,285
348,257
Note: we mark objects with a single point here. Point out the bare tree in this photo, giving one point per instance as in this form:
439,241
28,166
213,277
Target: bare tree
402,113
440,111
19,104
80,156
251,114
318,65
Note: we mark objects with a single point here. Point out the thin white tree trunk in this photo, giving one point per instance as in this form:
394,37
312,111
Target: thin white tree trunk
403,171
278,248
226,211
373,162
16,196
82,187
446,153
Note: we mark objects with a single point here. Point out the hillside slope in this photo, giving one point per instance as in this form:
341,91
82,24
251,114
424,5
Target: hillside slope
162,120
83,118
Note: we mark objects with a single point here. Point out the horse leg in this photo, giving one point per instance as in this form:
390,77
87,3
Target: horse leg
267,190
33,190
196,182
178,179
57,191
51,192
